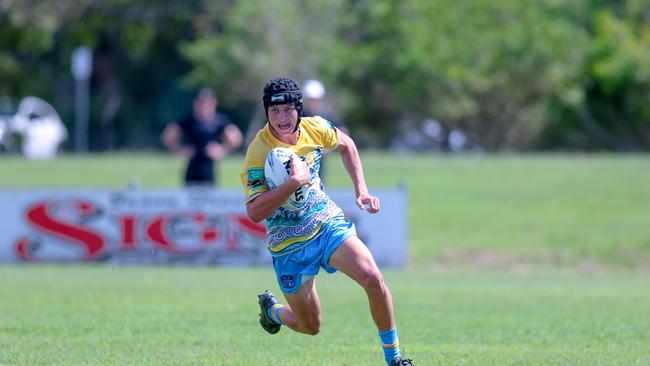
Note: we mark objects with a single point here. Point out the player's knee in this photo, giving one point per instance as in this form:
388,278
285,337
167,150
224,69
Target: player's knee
373,281
312,327
313,330
310,324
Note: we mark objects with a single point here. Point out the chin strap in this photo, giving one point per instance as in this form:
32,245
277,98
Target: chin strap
297,125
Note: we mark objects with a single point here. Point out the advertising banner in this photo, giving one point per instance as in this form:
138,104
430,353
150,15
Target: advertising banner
200,226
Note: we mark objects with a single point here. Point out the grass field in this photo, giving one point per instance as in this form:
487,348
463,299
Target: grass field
514,260
97,315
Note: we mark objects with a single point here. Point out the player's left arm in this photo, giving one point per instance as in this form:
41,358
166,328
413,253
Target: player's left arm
352,162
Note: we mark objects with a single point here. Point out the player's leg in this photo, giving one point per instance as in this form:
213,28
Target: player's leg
295,275
190,173
303,312
199,173
205,172
355,260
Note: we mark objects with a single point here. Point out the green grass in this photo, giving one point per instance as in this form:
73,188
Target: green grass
494,210
103,315
539,216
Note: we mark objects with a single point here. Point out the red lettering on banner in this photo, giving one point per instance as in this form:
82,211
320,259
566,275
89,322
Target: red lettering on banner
209,234
250,226
23,248
39,215
156,231
232,242
57,224
127,223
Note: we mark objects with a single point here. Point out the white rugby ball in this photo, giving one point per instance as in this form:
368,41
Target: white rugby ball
277,168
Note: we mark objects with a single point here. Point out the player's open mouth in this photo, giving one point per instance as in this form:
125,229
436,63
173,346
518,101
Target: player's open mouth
284,126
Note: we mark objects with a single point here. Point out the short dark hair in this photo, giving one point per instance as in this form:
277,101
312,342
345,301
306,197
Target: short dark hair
205,93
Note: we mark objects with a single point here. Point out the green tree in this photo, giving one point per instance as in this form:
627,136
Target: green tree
135,58
262,39
486,67
516,75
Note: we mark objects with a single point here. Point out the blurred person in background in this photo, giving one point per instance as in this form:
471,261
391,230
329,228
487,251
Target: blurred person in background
203,138
314,105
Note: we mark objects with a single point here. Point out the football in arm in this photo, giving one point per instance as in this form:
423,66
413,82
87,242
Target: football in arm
276,170
277,167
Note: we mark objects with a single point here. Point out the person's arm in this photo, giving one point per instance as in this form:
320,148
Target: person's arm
232,139
268,202
352,163
171,136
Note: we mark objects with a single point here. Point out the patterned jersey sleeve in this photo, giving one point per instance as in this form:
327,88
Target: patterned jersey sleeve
252,175
328,133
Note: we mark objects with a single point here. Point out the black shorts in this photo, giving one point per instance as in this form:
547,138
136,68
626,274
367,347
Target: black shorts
200,173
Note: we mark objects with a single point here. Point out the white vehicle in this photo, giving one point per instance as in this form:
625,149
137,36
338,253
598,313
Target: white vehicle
40,127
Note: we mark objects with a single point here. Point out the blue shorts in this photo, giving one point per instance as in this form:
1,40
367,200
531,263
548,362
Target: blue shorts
295,268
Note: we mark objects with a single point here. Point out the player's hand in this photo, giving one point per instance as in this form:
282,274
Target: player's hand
214,150
299,171
369,202
187,152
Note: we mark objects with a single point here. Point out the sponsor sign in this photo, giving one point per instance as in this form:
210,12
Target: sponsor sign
201,226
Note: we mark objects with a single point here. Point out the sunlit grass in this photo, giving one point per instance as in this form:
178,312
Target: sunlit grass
103,315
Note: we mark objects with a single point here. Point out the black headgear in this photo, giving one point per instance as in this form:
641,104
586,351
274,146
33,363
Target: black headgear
282,91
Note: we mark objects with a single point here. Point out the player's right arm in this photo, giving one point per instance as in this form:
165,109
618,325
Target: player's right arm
265,204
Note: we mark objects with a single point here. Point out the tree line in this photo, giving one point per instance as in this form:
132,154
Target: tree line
513,75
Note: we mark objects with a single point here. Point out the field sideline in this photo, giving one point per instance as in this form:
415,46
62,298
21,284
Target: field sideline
514,260
496,211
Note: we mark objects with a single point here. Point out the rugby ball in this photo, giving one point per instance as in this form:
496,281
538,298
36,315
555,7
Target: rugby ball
277,168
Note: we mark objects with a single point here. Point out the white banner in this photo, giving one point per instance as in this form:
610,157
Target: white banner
188,226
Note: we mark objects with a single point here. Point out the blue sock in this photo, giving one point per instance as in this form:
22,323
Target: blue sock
390,344
274,313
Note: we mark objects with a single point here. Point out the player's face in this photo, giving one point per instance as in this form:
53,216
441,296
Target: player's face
283,118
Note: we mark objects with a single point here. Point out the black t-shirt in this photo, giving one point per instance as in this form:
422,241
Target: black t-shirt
198,134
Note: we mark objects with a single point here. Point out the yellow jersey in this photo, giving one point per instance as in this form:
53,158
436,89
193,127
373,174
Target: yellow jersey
289,228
